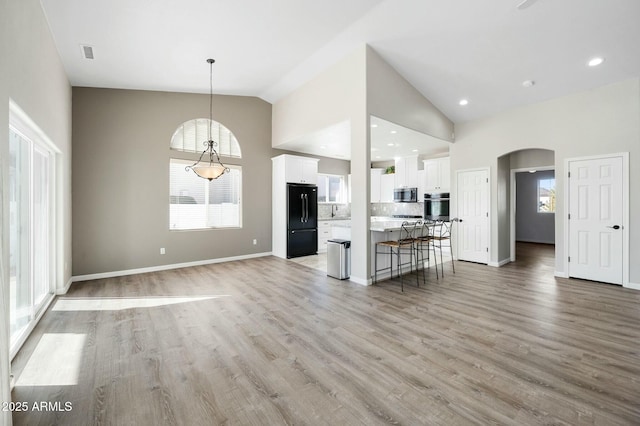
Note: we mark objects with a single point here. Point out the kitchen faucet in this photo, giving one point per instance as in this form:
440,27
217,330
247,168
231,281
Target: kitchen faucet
332,212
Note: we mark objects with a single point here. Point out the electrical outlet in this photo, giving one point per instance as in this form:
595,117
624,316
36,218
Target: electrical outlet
255,241
162,251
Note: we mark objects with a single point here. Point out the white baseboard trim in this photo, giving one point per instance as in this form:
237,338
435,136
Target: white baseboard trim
501,263
65,289
158,268
361,281
634,286
561,274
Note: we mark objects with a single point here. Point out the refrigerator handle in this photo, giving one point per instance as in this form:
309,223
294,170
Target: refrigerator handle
306,207
302,209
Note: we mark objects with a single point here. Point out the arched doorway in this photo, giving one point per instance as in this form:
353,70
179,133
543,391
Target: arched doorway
526,200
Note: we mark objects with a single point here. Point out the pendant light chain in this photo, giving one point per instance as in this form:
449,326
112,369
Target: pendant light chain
215,168
211,61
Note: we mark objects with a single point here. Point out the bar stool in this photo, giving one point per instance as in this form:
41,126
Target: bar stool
442,237
424,241
403,245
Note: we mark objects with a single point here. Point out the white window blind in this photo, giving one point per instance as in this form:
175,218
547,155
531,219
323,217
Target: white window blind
191,136
196,203
331,189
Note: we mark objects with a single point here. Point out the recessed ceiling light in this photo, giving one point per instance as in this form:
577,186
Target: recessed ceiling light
463,102
323,147
414,150
393,132
374,149
374,125
528,83
390,144
532,171
594,62
377,156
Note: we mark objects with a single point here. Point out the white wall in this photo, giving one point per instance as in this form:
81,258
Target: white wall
358,86
32,76
336,95
599,121
331,97
5,416
391,97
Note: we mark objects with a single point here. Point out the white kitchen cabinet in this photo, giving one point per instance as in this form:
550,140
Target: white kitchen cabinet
407,172
437,175
376,175
324,234
287,169
387,185
300,169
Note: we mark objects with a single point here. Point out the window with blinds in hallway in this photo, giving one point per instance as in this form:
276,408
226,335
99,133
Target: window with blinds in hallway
196,203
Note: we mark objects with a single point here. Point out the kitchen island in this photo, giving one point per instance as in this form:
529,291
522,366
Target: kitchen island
382,229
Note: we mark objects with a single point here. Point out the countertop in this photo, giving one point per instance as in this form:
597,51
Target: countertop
333,218
389,225
380,224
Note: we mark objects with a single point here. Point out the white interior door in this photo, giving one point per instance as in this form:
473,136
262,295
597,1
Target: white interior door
473,215
596,219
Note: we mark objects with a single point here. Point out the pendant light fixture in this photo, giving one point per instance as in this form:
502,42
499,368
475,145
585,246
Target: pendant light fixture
214,168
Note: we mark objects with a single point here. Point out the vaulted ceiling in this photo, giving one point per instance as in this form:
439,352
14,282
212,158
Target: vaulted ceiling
449,50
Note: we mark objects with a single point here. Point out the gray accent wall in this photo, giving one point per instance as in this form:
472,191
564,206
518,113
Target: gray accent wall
531,225
121,179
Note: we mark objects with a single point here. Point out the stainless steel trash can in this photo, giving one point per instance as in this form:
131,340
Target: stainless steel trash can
339,259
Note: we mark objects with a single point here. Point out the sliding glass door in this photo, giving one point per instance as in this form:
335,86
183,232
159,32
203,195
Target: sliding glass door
31,218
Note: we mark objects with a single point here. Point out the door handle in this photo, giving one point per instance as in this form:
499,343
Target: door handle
614,227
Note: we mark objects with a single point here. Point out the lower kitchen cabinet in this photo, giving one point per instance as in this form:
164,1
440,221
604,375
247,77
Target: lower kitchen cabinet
324,235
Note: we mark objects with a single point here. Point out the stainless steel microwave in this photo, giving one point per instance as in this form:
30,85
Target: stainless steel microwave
405,195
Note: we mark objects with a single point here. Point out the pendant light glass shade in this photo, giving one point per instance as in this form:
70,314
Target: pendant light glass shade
214,168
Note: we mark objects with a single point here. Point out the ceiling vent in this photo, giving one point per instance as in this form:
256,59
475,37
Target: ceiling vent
87,51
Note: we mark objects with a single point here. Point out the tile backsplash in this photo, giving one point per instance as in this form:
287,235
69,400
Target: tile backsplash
324,210
377,209
389,209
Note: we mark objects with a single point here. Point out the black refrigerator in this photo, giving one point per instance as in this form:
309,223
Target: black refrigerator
302,220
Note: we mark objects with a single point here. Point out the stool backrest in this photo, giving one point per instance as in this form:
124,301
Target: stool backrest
406,231
442,230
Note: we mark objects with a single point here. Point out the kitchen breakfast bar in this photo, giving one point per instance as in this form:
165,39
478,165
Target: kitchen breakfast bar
382,229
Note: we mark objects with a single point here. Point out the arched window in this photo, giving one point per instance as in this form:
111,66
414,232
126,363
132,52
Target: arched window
192,135
196,203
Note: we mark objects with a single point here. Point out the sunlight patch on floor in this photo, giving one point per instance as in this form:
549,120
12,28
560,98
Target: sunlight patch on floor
121,303
55,361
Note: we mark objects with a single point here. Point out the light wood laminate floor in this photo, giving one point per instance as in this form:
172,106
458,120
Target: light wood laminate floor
268,342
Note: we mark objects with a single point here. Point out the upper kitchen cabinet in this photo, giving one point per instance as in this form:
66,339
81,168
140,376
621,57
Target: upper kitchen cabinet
387,184
298,169
407,172
437,175
376,175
